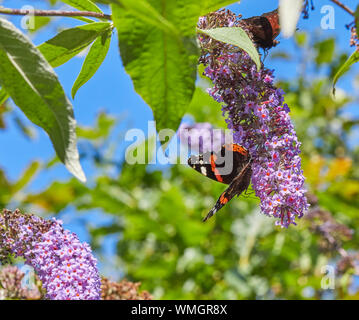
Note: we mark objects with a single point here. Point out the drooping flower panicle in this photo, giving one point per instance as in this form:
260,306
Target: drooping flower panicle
255,110
65,265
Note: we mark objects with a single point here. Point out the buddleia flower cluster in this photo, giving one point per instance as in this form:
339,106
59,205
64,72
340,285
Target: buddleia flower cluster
65,265
256,113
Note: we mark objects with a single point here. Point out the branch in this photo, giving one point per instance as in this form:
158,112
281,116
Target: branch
54,13
343,6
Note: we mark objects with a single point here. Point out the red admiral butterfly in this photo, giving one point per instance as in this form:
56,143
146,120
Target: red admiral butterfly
232,165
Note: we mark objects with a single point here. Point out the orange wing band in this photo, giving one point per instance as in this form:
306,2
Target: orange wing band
214,169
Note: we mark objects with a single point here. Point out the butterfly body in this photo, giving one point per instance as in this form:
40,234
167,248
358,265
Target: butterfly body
231,166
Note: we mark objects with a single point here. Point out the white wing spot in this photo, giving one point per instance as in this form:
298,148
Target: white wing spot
204,171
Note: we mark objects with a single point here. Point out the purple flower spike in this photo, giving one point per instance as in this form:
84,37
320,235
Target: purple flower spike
256,112
65,265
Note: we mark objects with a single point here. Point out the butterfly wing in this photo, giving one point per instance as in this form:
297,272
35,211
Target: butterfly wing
221,166
239,184
264,29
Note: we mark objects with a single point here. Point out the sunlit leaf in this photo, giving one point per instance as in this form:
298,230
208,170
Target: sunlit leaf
26,176
162,65
345,67
33,86
83,5
70,42
237,37
102,129
3,96
93,61
325,51
143,10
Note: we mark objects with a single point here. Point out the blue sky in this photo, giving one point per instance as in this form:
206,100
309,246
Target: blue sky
111,89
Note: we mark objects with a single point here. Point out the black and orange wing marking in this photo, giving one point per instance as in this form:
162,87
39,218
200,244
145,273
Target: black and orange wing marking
221,166
239,184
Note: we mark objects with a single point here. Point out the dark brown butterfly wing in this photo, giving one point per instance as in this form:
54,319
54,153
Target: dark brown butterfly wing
239,184
221,166
264,29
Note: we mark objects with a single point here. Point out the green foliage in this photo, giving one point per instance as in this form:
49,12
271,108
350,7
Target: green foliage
237,37
40,23
156,212
34,87
93,61
162,64
71,42
102,129
345,67
144,11
154,40
11,191
83,5
3,96
325,51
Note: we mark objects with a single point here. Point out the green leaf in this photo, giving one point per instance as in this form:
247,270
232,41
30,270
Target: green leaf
237,37
162,66
301,39
345,67
71,42
26,176
143,10
100,130
39,23
93,61
83,5
63,47
325,51
3,96
34,87
26,129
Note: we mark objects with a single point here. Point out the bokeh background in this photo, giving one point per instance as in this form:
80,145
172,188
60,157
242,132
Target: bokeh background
144,221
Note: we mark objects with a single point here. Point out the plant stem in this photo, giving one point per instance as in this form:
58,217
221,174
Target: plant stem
54,13
343,6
